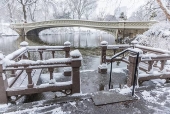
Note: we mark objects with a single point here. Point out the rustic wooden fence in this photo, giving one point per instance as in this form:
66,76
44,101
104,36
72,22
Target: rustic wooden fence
152,61
19,74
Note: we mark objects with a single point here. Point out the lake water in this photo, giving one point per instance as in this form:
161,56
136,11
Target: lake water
84,40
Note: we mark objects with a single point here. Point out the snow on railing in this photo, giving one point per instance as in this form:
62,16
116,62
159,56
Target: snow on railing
37,48
17,53
158,50
39,62
119,46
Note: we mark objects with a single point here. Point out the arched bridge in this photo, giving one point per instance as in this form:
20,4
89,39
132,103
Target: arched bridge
121,28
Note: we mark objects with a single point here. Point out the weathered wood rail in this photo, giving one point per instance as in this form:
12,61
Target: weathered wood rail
19,74
152,61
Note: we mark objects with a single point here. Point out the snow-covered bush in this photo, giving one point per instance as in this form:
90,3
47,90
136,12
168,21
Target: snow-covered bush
157,36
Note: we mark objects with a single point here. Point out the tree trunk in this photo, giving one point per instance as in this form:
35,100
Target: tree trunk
25,15
164,9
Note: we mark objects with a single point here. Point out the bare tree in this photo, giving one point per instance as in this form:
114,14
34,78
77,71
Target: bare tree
32,8
164,8
24,4
80,7
11,8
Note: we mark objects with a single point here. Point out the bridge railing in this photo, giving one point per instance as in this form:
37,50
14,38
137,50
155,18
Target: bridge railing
16,66
152,61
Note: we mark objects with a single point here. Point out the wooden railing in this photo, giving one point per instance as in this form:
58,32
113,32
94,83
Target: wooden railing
152,61
19,64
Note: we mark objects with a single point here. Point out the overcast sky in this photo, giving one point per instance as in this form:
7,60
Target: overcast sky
110,5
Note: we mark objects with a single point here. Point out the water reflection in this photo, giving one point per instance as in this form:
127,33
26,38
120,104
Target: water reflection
9,44
78,40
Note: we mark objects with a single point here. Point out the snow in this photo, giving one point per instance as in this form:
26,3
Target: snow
79,94
126,90
1,56
67,69
154,73
158,36
136,50
44,47
55,84
104,43
6,30
16,53
75,53
45,78
87,70
134,41
146,95
153,49
10,79
158,82
118,46
52,81
168,62
4,77
34,110
24,43
31,62
148,56
103,66
73,103
118,70
67,43
59,111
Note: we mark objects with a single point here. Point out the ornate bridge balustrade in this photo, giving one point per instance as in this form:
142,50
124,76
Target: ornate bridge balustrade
115,28
153,62
19,75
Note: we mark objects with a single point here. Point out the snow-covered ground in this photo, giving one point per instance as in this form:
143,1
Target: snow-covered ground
6,30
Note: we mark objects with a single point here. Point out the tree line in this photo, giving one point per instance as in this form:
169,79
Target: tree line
43,10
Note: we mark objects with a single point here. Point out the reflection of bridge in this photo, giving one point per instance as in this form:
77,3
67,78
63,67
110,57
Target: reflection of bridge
121,29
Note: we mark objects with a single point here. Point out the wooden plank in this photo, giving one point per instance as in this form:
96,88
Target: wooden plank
36,89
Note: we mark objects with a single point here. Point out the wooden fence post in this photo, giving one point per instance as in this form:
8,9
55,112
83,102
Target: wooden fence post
131,68
67,71
30,83
75,64
3,83
67,45
103,57
41,56
51,70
